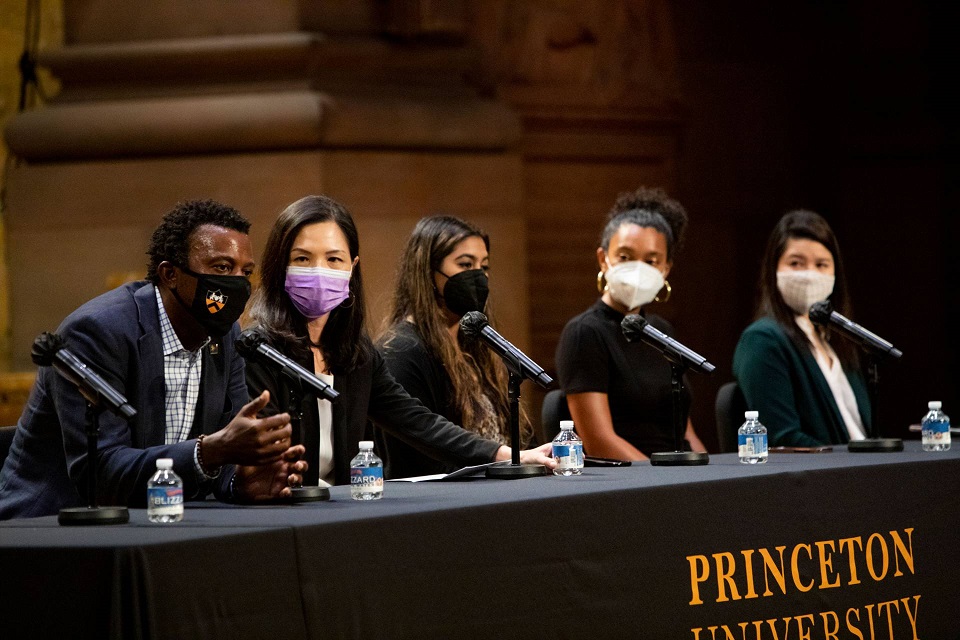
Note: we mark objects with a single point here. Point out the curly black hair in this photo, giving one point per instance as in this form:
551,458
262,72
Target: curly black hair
171,240
652,208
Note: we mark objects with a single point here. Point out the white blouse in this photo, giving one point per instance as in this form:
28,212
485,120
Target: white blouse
837,380
325,422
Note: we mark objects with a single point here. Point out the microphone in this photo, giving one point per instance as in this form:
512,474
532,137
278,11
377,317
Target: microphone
822,313
635,327
252,345
49,349
474,324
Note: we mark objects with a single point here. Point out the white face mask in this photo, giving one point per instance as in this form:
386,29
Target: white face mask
634,283
801,289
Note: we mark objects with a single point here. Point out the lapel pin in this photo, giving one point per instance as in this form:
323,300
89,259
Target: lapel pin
214,348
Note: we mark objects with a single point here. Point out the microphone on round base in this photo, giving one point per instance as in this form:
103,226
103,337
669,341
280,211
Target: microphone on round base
635,328
83,516
474,325
509,471
49,350
875,348
299,382
679,458
308,494
875,445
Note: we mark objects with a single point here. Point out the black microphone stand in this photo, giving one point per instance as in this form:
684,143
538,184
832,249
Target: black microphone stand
874,443
679,457
295,409
92,514
514,470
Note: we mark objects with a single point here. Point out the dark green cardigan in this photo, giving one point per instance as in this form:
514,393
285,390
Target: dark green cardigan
787,387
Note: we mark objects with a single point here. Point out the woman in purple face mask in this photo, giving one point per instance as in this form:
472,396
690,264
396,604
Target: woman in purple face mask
311,306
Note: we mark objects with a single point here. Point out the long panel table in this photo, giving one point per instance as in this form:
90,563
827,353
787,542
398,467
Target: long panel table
832,545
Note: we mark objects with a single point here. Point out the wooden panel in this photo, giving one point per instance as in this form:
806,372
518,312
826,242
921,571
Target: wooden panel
566,207
103,224
485,189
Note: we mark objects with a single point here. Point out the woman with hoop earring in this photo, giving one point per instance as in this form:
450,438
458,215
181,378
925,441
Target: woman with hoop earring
619,393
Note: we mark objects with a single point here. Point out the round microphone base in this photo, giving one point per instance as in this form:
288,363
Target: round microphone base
516,471
82,516
309,494
679,459
875,445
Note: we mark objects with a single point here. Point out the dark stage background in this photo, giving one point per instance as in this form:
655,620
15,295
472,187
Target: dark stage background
527,117
849,109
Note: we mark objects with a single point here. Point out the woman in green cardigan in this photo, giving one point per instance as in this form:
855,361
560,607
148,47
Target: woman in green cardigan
809,391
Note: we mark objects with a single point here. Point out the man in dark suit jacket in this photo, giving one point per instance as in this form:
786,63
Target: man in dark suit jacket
167,344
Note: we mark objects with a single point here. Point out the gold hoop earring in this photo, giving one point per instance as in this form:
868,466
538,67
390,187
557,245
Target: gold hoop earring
601,282
666,283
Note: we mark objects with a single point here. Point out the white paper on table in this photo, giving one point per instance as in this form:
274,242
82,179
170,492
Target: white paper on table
459,473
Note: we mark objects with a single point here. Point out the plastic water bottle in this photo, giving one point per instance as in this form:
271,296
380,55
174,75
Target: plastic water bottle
165,494
935,428
568,451
366,474
752,439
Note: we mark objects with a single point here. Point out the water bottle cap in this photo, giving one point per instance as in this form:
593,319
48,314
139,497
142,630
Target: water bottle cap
164,464
566,424
366,444
751,415
934,405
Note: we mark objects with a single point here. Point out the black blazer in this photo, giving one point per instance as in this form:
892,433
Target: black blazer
370,391
118,336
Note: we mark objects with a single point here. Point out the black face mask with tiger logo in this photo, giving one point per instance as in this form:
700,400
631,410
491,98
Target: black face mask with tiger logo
218,302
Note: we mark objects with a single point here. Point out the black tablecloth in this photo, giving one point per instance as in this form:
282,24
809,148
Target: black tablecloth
637,552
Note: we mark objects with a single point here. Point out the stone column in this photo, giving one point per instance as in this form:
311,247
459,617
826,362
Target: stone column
364,101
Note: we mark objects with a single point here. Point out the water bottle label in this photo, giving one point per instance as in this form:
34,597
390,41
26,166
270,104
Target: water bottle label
366,479
165,501
936,432
568,456
745,445
752,445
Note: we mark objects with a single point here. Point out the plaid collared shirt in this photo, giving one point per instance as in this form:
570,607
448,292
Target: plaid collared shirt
182,371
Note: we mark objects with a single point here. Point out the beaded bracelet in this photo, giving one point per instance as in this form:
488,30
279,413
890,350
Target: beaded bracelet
203,467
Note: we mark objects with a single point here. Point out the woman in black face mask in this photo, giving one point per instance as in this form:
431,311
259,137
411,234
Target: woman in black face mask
443,275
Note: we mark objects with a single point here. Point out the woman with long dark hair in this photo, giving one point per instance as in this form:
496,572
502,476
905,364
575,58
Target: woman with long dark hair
443,274
808,389
311,306
619,393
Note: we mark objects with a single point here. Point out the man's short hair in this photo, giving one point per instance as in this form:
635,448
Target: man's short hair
171,240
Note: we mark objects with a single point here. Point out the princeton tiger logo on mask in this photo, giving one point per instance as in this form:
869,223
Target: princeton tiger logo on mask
215,301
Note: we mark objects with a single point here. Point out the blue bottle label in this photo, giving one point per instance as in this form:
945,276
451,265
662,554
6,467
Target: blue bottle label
936,432
937,426
366,479
568,456
754,444
165,501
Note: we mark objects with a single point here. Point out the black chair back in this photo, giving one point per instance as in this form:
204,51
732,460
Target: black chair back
554,410
729,412
6,439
